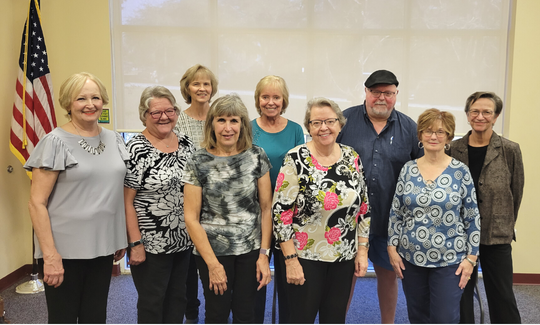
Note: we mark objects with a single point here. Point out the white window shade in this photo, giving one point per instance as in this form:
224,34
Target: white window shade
441,51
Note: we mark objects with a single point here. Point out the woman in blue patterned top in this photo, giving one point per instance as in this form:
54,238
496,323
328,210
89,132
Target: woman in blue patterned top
160,246
434,229
227,205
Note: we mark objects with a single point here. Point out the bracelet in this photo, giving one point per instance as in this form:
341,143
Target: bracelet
470,261
288,257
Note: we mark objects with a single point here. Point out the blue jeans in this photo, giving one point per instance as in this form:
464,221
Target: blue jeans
433,294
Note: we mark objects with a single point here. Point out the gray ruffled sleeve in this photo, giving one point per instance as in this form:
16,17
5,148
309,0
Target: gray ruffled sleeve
121,147
51,153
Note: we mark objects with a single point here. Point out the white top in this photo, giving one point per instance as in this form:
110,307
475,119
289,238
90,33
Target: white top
86,205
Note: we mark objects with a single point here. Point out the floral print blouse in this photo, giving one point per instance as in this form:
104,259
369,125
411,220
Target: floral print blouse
323,209
435,224
159,202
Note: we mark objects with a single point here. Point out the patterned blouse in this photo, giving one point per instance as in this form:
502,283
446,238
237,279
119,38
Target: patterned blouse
230,210
323,209
159,202
435,224
191,127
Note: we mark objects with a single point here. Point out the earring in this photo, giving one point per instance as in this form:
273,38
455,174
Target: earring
420,145
447,146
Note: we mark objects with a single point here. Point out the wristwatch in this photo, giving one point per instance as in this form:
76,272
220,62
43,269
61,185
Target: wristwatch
136,243
366,244
265,251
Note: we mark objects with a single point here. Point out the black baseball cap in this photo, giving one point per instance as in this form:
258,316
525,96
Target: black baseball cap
381,77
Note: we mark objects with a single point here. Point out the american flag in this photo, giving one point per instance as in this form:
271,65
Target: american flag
33,109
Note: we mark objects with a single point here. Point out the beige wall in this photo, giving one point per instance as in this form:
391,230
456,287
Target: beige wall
78,39
522,122
77,36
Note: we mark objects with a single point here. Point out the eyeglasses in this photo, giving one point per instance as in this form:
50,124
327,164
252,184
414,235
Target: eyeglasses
318,123
157,114
486,114
387,94
439,133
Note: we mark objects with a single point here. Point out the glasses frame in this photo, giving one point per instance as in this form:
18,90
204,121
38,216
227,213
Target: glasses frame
387,94
476,113
161,114
439,133
325,122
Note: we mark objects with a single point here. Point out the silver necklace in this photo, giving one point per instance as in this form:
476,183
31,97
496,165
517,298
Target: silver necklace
86,146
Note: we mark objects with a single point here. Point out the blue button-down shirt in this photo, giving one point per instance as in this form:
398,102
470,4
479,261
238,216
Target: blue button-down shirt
383,155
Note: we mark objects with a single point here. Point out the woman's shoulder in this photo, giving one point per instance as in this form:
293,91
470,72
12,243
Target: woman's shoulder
293,125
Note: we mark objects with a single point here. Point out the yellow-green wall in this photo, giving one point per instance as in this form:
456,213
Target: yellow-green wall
77,35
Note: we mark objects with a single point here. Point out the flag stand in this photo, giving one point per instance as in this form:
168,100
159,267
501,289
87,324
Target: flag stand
35,285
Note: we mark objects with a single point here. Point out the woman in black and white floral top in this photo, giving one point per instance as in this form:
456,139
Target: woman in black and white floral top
159,243
321,218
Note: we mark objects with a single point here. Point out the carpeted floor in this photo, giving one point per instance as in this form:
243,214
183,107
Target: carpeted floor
31,309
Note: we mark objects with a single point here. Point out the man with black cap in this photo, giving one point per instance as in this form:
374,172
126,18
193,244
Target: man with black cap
385,139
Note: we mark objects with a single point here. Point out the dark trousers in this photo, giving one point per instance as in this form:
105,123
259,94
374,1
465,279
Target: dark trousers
326,291
260,304
192,289
161,284
432,294
497,270
82,297
280,281
241,290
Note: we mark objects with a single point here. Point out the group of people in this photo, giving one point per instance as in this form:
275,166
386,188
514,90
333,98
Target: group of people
208,193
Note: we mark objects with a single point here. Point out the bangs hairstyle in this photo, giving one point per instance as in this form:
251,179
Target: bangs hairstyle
322,102
155,92
497,101
228,105
272,81
193,73
72,87
428,119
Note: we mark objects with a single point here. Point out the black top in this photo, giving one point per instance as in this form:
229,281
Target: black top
476,161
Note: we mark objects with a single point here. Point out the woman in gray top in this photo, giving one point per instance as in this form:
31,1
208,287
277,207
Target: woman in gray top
227,199
76,205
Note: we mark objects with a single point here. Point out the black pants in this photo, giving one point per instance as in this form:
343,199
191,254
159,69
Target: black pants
280,281
161,284
241,290
192,289
82,297
497,269
326,291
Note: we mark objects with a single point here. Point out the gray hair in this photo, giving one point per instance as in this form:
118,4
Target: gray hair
155,92
322,102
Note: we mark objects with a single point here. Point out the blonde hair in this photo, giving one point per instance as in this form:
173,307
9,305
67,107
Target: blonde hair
71,87
277,82
191,74
228,105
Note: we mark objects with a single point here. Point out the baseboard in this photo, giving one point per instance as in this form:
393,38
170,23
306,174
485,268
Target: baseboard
15,276
526,279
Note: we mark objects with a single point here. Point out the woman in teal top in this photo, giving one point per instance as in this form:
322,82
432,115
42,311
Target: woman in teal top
276,135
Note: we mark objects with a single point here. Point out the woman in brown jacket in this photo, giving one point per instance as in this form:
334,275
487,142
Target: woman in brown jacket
496,166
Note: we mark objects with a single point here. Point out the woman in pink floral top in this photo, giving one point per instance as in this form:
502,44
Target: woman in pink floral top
321,218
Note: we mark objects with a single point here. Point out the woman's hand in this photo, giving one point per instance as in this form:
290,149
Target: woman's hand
137,255
396,261
361,261
264,276
295,272
119,254
218,278
465,269
53,270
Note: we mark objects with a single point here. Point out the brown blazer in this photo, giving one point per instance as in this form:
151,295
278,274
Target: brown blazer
500,187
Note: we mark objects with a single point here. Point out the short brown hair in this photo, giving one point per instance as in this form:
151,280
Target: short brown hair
497,101
428,118
73,85
191,74
228,105
277,82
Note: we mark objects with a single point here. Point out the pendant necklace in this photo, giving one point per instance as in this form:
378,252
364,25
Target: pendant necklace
86,146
